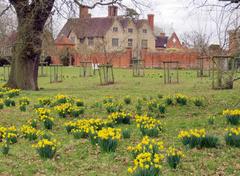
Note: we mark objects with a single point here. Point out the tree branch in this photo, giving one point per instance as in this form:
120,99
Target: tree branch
97,3
5,10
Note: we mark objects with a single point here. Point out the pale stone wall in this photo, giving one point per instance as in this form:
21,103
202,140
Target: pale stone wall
105,44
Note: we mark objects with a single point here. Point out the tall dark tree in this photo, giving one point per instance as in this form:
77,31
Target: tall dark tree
27,50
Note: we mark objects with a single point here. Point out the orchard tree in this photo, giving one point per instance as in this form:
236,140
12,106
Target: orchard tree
31,17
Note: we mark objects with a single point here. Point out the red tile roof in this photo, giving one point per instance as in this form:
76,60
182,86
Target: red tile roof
95,27
63,40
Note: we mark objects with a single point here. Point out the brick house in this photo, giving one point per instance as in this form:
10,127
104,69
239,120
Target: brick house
117,34
109,34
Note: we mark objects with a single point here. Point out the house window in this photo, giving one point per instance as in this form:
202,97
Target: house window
130,42
115,42
144,31
144,44
90,41
130,30
115,29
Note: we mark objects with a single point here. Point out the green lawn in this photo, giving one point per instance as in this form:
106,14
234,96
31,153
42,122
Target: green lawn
79,157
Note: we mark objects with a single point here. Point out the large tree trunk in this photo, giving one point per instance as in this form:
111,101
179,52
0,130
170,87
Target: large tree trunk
27,50
26,54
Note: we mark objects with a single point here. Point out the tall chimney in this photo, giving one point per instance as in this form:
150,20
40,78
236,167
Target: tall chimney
112,11
83,12
151,21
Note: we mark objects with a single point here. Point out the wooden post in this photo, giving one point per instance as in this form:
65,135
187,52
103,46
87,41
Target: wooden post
43,72
223,70
55,73
171,68
106,74
6,72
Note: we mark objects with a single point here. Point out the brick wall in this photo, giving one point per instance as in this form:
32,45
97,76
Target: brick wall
186,58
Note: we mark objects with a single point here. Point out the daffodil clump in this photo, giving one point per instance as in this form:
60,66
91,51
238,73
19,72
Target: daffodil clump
127,100
44,116
120,117
64,109
86,128
12,92
197,101
44,101
198,138
147,145
32,123
46,148
108,139
152,104
108,99
48,121
69,126
211,119
30,133
147,164
79,102
61,99
113,107
181,99
232,138
23,106
5,147
1,104
83,131
24,100
149,126
168,100
9,102
232,116
43,111
9,134
174,157
76,111
81,128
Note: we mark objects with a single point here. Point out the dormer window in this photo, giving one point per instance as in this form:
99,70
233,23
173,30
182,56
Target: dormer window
144,31
115,29
130,30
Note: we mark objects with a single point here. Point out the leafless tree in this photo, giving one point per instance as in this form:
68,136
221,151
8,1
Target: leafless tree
225,15
197,40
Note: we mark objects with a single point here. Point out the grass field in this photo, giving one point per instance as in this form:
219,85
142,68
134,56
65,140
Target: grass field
79,157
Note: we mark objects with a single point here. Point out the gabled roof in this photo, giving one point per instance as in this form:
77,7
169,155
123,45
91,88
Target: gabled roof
63,40
95,27
140,23
174,40
87,27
